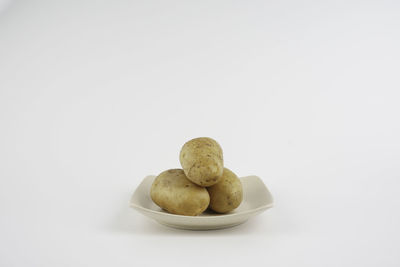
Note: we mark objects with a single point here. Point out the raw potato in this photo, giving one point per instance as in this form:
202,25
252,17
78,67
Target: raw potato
227,194
172,191
202,161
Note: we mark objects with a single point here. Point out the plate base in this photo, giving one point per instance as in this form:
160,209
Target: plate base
200,227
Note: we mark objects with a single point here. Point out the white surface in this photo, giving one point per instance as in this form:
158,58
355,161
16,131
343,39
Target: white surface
94,95
256,199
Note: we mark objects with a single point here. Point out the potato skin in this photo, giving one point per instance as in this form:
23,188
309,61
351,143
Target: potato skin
227,194
202,161
172,191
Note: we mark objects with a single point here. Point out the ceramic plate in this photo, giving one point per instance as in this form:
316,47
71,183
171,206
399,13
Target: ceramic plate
256,199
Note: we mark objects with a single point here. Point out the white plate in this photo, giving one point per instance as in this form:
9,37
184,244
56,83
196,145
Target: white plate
256,199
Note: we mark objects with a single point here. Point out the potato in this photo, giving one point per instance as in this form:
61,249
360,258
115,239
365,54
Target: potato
172,191
227,194
202,161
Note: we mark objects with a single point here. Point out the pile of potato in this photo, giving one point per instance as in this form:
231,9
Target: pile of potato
201,183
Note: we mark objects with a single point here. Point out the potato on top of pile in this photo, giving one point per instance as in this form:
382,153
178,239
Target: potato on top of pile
201,183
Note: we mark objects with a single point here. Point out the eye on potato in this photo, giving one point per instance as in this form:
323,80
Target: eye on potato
227,194
172,191
202,161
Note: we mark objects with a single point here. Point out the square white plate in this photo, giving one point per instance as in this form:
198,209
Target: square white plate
256,199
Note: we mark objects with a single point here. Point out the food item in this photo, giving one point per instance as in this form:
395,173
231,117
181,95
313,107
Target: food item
202,183
172,191
202,161
227,194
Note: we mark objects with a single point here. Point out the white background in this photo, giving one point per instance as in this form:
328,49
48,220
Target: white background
95,95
